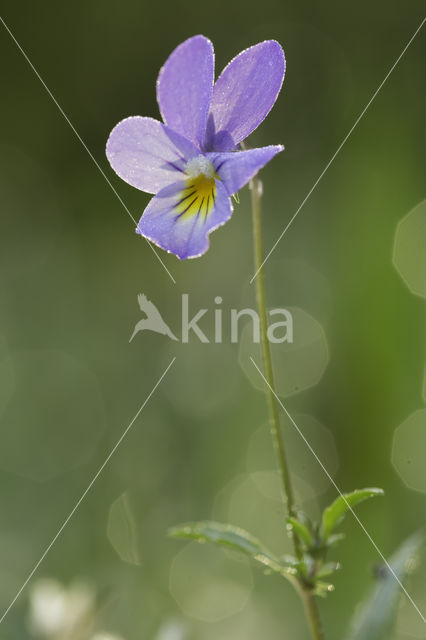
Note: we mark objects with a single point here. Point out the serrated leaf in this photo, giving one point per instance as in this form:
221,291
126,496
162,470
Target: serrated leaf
227,535
302,532
376,617
334,514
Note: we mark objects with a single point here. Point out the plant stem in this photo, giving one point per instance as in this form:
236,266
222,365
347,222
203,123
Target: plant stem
277,435
276,432
312,614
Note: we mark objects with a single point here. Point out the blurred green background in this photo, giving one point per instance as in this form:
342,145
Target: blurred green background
71,267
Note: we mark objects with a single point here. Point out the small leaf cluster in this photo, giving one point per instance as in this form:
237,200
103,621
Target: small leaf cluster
312,542
310,571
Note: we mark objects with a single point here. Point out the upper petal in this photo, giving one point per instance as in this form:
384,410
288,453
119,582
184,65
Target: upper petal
147,154
180,230
184,88
244,94
236,168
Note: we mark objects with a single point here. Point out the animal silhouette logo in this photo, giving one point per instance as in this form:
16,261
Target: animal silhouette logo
153,321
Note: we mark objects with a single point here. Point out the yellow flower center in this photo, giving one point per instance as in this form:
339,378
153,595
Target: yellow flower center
199,196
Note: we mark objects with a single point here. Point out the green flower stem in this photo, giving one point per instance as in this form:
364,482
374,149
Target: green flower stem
277,434
266,354
312,614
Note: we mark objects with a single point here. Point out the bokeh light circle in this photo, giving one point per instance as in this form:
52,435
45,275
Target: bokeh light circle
298,365
122,531
409,252
261,456
408,449
209,584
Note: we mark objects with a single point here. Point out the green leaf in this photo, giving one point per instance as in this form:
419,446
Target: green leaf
328,569
226,535
307,566
302,532
322,589
376,618
334,514
335,538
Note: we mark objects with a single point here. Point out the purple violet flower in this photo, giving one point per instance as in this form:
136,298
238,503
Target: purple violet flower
191,163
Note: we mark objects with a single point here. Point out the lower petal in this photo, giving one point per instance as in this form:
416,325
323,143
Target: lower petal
179,218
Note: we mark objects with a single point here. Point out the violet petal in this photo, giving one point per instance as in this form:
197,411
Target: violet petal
236,168
186,237
184,88
244,94
147,154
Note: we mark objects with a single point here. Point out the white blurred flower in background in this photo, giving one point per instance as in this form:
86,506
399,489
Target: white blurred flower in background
58,612
172,630
55,610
